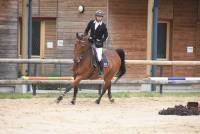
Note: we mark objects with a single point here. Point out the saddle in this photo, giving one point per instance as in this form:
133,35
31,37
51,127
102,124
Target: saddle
95,59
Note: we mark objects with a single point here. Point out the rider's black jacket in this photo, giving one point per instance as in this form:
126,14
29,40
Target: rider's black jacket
97,36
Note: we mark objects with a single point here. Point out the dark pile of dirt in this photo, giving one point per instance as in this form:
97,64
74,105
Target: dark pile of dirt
191,109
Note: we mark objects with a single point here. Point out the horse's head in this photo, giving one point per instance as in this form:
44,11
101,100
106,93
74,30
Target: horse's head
81,46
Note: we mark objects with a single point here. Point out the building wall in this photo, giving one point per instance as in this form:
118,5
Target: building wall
47,8
128,30
8,37
184,34
182,15
197,68
70,21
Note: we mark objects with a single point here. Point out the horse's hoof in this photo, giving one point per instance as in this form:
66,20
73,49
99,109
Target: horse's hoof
59,99
73,102
112,100
97,102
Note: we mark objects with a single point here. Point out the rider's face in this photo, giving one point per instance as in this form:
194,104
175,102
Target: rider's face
98,18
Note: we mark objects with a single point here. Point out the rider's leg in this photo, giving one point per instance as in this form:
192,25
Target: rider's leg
94,63
99,56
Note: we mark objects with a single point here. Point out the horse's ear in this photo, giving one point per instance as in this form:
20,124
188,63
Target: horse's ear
76,35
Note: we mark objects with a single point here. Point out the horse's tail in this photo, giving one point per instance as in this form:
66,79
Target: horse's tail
122,69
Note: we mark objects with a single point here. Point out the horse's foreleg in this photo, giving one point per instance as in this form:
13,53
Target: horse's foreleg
74,96
105,87
61,96
110,94
76,86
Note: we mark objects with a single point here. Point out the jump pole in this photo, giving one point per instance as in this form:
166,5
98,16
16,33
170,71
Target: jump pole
70,61
175,78
144,81
47,78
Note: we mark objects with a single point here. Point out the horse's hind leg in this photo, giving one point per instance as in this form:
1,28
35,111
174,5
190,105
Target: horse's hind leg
110,94
105,87
102,93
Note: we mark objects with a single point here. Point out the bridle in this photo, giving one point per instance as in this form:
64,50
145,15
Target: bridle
82,55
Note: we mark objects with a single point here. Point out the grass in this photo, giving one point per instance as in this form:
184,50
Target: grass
95,95
15,96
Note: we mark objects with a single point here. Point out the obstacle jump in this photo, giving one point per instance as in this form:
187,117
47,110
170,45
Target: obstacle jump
69,80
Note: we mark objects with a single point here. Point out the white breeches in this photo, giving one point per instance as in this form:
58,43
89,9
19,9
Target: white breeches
99,53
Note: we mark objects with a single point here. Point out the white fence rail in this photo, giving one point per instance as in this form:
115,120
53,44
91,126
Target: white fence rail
68,61
145,81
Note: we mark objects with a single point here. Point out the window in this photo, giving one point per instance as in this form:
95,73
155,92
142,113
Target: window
36,37
163,40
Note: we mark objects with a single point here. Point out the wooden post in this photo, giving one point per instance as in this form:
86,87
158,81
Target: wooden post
42,39
42,43
24,34
149,33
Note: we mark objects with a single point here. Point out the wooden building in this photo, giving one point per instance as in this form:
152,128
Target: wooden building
55,23
8,37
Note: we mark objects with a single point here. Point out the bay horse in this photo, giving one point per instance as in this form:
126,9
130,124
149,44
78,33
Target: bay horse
83,67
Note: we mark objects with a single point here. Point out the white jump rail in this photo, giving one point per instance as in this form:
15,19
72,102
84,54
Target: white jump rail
69,61
144,81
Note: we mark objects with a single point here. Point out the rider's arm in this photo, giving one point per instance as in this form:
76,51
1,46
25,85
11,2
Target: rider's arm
88,28
105,36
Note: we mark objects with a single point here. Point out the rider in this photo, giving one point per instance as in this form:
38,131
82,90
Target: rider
98,35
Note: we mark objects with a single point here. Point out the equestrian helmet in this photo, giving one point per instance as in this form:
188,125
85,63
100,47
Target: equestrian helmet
99,13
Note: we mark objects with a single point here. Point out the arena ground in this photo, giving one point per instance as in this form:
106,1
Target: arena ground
135,115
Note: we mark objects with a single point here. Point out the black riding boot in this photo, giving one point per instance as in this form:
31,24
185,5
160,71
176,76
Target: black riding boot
101,67
94,62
